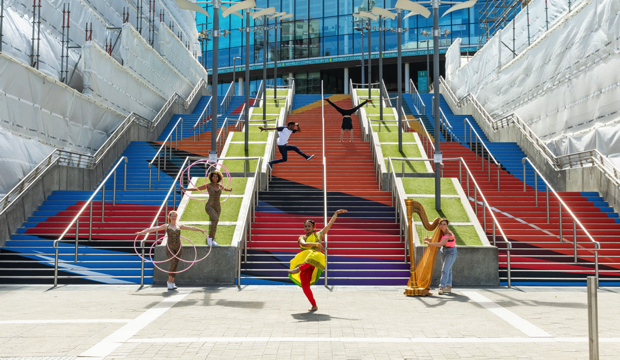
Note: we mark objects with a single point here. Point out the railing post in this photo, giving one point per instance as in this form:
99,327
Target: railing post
150,171
56,267
575,240
560,211
593,317
164,159
536,187
498,178
125,180
460,174
142,267
524,175
547,194
102,203
77,237
113,191
508,258
484,218
476,199
468,186
159,164
90,223
493,233
465,130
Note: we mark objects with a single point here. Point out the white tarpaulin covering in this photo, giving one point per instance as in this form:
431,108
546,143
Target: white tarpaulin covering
105,17
44,109
566,85
171,48
139,57
111,84
17,157
453,59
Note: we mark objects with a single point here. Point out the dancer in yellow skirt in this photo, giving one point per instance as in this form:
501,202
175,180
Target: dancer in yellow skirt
308,265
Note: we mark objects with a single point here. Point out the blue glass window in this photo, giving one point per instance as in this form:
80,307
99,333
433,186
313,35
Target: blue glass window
301,9
330,46
330,26
345,25
345,45
316,9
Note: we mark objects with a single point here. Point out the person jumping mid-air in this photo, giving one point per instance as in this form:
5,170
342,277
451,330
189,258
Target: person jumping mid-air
285,133
347,124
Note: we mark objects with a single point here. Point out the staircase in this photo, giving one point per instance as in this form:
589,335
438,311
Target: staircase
538,257
28,258
364,247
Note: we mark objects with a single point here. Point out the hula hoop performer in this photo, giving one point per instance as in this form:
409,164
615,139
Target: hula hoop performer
347,124
307,266
213,208
284,134
173,230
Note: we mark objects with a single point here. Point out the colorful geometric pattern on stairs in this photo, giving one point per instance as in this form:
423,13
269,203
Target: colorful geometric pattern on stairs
364,245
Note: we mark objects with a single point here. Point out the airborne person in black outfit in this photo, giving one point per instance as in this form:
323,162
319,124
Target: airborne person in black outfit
347,124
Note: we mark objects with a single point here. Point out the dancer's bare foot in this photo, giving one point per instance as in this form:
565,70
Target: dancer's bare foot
294,271
314,308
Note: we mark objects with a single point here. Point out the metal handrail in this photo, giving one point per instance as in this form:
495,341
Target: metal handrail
324,176
155,222
200,124
562,204
120,130
226,101
373,145
76,219
562,162
417,99
444,120
259,95
477,190
55,157
241,114
249,218
385,93
479,140
174,129
222,139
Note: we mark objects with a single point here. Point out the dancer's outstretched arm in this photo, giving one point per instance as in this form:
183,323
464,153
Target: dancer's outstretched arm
153,229
332,221
266,129
192,228
201,187
225,189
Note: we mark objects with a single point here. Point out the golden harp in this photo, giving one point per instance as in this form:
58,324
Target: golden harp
421,275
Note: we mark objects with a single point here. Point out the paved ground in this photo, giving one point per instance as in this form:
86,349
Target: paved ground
271,322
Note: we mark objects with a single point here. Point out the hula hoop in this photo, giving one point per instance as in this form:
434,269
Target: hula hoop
174,255
174,272
212,164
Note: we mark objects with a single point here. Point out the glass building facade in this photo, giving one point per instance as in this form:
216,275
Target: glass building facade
326,28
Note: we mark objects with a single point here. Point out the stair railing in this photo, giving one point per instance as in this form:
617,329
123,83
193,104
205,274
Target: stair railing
226,101
241,115
476,189
446,124
561,205
201,123
89,203
352,93
477,139
386,96
163,206
222,136
169,139
248,217
417,99
259,95
562,162
324,176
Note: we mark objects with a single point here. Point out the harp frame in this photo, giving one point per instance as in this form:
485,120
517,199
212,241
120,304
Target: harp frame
413,289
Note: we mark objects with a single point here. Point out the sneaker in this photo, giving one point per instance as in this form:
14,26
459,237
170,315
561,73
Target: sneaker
270,166
441,291
174,286
214,243
171,286
447,289
310,157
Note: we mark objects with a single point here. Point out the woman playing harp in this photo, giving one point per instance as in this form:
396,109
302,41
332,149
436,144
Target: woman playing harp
422,275
447,243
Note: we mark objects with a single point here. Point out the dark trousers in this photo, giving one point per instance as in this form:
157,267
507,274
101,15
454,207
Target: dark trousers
284,150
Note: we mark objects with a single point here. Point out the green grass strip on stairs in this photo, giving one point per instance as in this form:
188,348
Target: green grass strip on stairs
223,236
